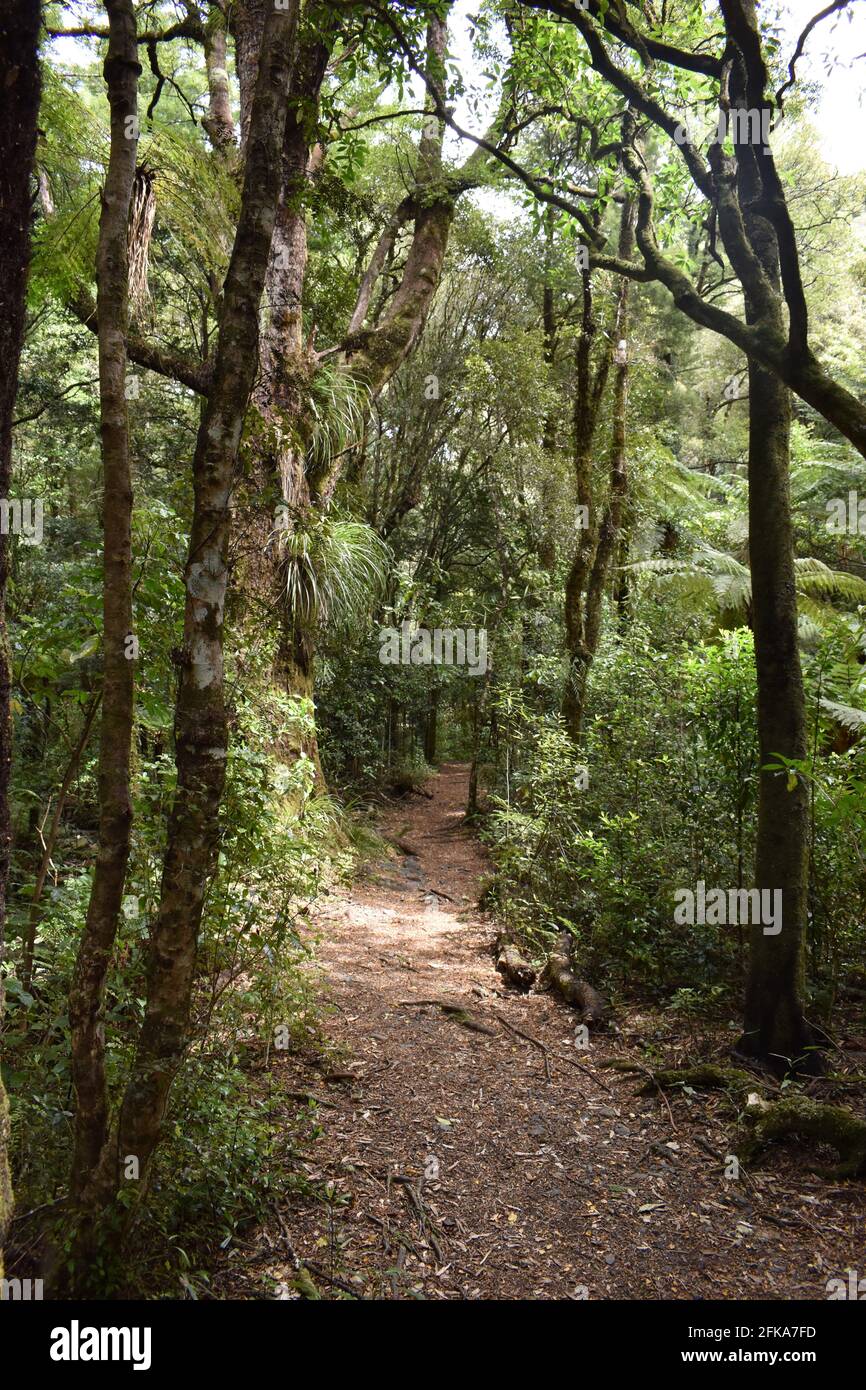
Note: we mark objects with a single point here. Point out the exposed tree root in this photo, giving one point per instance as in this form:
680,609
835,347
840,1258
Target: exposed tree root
706,1076
765,1121
808,1119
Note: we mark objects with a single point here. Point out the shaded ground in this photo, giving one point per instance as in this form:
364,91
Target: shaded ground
455,1163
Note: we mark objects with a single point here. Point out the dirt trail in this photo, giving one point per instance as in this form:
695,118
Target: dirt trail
464,1167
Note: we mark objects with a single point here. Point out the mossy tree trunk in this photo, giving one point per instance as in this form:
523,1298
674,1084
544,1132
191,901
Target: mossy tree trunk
774,1027
375,344
122,71
775,1030
598,542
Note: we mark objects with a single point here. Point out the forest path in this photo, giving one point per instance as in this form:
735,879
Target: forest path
471,1164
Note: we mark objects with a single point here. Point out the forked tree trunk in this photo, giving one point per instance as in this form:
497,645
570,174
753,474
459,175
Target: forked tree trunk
201,726
371,354
19,113
122,71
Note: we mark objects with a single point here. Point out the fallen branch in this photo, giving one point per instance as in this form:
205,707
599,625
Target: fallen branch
527,1037
454,1011
307,1096
559,973
321,1273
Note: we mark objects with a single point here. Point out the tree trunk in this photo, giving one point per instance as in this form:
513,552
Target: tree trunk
218,121
19,113
431,726
608,536
589,571
201,725
370,355
122,71
288,369
775,1030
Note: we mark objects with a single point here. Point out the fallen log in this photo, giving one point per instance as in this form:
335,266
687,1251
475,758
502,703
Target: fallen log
404,847
559,973
512,964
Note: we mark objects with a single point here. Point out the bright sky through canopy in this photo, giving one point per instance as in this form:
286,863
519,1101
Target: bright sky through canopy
834,57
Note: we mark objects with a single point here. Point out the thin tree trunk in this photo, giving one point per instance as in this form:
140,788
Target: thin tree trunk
19,113
608,536
218,121
588,395
29,944
122,71
622,585
201,725
431,726
590,568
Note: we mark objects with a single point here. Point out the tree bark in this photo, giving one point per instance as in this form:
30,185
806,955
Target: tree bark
279,495
122,71
431,726
218,122
19,113
559,971
370,355
589,391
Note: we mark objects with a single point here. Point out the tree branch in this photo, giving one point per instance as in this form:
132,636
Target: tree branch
167,362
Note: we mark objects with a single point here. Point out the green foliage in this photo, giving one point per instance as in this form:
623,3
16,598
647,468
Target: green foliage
230,1131
665,798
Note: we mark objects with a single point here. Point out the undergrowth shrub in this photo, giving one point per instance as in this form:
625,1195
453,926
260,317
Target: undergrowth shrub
229,1130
